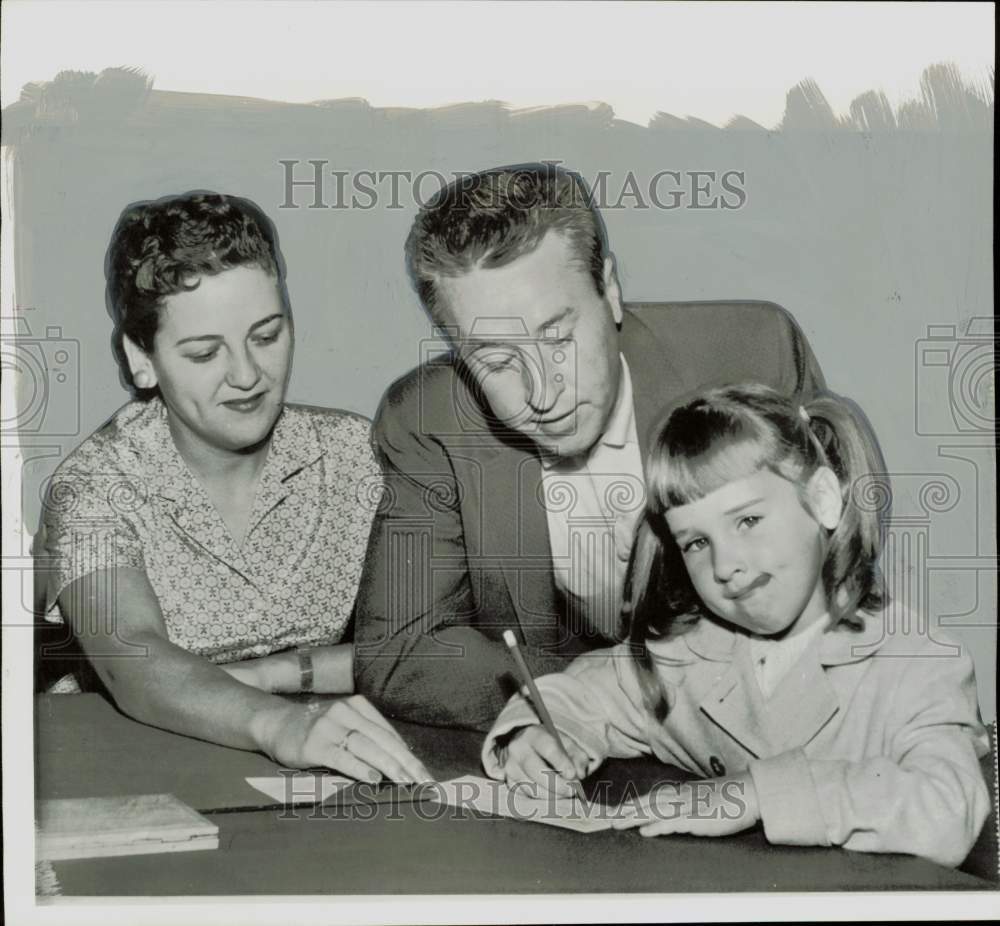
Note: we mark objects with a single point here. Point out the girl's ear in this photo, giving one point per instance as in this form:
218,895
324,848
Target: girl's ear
825,501
140,364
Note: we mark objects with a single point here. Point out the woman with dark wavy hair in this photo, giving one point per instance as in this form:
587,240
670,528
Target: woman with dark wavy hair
209,538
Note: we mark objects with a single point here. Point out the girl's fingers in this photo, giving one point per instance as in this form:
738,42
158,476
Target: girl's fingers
541,774
580,759
545,745
513,773
524,765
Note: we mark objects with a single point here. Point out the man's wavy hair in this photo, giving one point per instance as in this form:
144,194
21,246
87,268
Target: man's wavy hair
493,217
163,247
729,433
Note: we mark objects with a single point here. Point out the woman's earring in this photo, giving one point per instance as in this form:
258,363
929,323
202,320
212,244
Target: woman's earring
143,380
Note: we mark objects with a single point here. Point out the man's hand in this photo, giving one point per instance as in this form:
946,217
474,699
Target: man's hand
716,807
533,755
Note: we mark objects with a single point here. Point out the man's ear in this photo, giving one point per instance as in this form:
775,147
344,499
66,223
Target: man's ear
825,499
612,290
139,363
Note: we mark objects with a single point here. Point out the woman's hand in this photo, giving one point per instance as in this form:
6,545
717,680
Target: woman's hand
533,755
717,807
348,736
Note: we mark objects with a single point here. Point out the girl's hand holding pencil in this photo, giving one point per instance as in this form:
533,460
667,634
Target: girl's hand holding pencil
548,748
533,755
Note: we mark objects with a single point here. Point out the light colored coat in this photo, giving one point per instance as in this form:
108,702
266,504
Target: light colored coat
871,741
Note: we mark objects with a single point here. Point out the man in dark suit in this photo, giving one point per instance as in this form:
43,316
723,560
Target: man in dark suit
513,455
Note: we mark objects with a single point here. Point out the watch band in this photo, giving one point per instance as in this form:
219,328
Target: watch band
305,669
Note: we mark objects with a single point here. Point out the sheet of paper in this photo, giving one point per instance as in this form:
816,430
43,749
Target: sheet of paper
521,803
300,787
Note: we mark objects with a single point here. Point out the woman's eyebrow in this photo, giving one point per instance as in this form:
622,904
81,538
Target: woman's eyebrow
199,337
265,321
218,337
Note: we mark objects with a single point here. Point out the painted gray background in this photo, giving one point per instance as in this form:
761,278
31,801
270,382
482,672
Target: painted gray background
869,228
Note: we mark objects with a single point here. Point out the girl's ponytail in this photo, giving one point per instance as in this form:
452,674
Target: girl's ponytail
850,572
657,592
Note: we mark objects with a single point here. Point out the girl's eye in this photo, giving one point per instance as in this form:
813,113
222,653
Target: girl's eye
750,520
203,357
693,546
266,338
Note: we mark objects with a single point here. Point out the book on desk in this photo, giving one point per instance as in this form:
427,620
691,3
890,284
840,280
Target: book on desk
89,827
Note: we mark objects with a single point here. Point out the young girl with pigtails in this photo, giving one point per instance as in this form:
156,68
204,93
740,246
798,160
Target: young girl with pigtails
763,655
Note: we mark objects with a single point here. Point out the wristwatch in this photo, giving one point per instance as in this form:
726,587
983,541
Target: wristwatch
305,669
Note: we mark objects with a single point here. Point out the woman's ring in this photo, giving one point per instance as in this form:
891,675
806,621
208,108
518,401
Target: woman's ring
342,743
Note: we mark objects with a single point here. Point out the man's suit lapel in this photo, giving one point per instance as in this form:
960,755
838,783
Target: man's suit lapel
516,536
655,381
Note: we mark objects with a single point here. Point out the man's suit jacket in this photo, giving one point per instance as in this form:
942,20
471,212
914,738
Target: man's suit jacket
459,550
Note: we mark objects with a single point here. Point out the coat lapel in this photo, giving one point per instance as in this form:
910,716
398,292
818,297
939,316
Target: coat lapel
802,703
515,534
734,704
805,699
655,382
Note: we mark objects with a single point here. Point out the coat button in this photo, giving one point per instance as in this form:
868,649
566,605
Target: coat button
718,769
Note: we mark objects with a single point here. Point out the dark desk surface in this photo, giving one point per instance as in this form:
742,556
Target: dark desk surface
85,748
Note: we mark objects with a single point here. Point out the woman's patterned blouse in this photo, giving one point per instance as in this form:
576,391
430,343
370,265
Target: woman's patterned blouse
125,498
